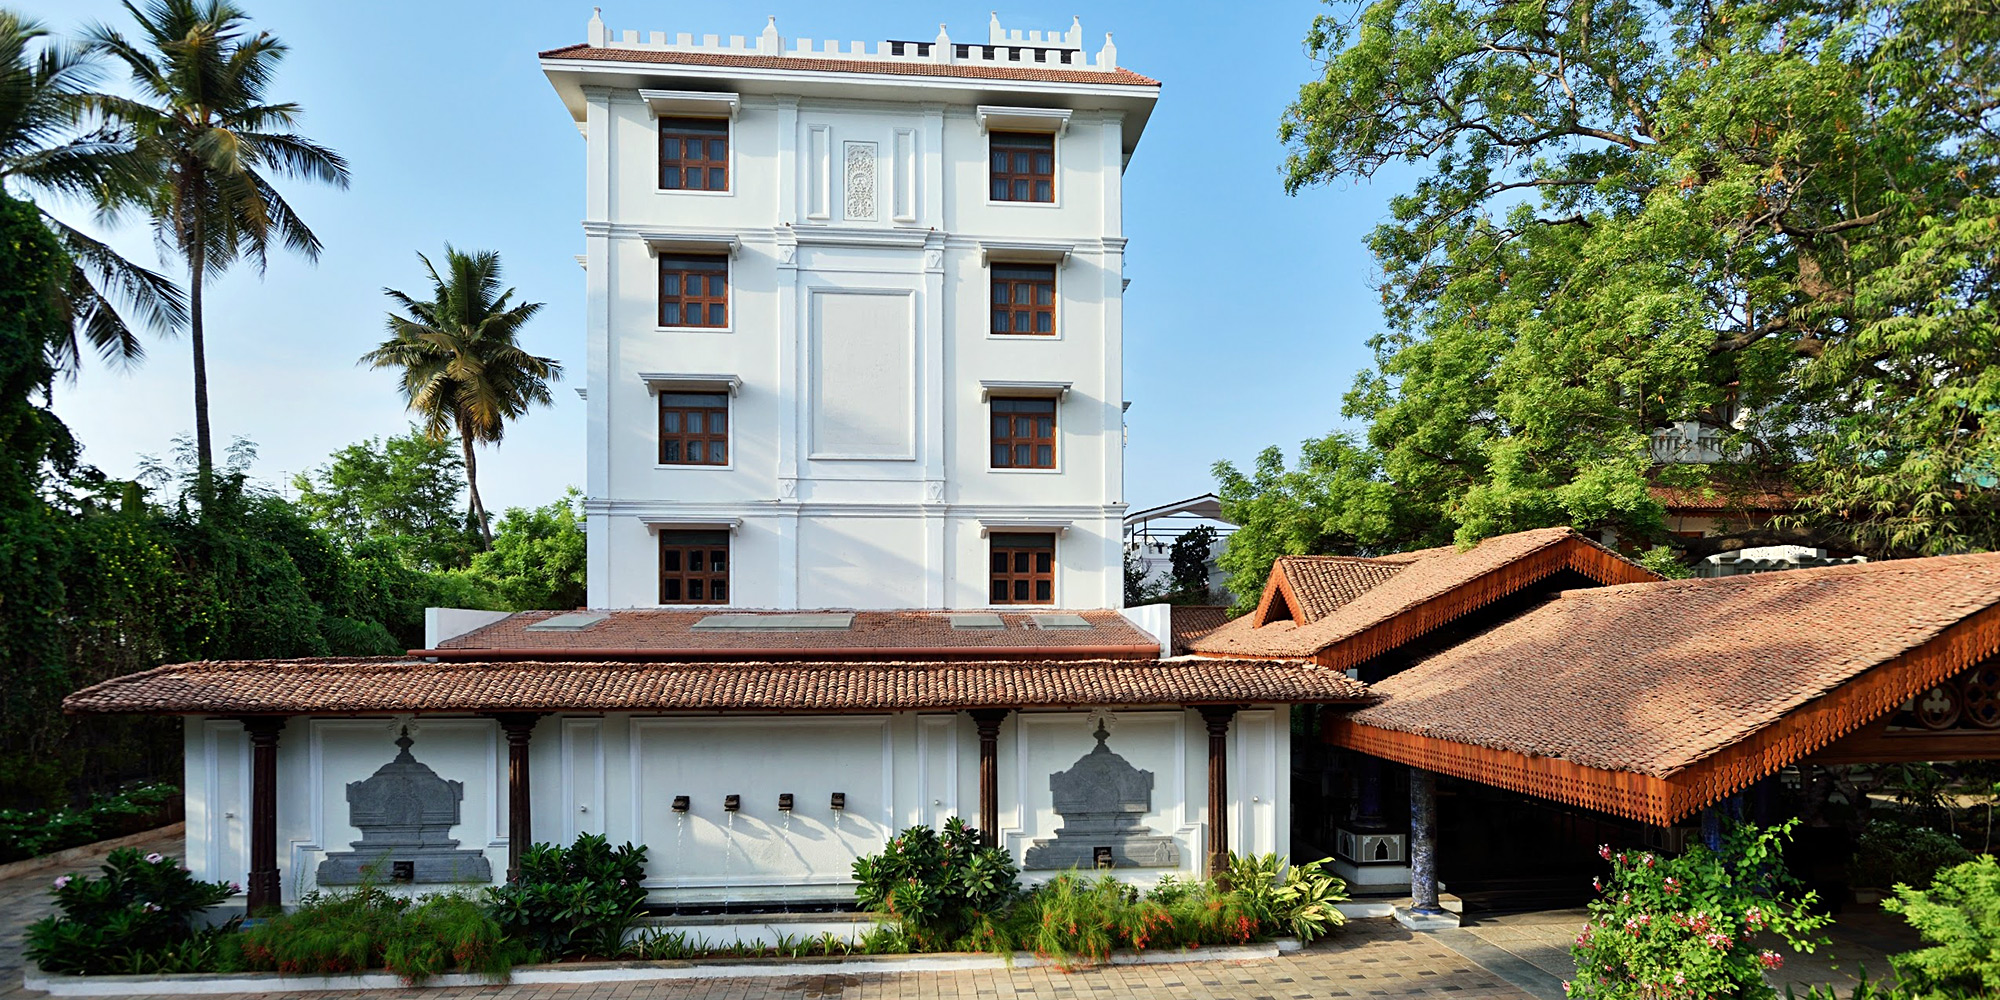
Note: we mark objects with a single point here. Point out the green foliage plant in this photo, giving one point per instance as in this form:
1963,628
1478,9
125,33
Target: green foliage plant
538,556
1690,925
937,883
1298,898
1891,853
573,902
401,492
26,833
350,931
1864,989
1959,915
137,916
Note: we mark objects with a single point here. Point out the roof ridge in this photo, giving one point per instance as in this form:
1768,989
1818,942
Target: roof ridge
1791,577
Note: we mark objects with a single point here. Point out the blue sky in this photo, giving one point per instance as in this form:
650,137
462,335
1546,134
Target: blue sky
1245,321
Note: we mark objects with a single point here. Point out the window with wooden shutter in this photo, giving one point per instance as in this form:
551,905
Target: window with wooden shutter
1024,433
694,290
1023,568
694,567
694,154
1024,299
1023,166
694,428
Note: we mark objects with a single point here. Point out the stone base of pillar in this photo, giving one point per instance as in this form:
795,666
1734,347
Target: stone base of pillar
1416,921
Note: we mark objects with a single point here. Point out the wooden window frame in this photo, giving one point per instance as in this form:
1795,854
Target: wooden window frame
1010,174
678,442
1009,283
675,132
1021,568
676,270
1020,413
679,548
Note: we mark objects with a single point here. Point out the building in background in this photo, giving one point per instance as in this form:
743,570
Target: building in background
1150,535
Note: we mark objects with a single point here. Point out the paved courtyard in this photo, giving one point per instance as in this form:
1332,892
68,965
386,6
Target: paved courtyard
1371,958
1514,957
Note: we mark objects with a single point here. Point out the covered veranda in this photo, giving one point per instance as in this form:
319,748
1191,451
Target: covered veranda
1659,707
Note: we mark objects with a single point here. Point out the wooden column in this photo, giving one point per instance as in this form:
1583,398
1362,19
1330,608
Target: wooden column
519,727
988,720
265,889
1423,842
1217,719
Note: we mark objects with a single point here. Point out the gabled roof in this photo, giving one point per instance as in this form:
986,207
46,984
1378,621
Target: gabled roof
392,684
1345,610
1028,73
648,634
1192,621
1653,700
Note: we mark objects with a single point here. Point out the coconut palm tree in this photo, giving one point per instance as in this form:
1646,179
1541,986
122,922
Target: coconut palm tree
462,370
204,127
48,152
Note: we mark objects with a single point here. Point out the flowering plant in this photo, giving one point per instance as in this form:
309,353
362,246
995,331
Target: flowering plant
136,917
1692,927
936,882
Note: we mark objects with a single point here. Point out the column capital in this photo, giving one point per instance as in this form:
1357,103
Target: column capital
517,725
263,728
1217,717
989,719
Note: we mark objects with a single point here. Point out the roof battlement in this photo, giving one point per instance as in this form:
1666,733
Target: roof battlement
1018,48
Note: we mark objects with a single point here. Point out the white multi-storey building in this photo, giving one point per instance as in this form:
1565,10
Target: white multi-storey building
855,317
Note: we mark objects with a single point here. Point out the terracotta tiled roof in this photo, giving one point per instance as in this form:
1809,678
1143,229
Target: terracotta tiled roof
1432,587
1192,621
669,634
1323,584
1026,72
388,684
1716,497
1692,677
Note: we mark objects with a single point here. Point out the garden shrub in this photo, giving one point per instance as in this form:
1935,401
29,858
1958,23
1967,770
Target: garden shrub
1889,853
137,917
937,884
1686,926
573,902
1297,898
339,933
28,833
1960,916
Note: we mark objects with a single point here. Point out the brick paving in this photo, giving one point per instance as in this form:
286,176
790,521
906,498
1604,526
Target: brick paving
1368,959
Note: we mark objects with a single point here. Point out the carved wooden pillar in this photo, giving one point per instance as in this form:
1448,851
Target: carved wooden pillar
988,720
519,727
1423,842
265,890
1217,719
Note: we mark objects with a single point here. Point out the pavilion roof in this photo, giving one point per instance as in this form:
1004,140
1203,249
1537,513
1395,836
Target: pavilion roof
668,633
1653,700
398,684
1343,610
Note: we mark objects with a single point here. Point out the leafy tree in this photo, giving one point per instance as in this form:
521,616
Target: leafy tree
539,555
1137,592
33,268
1189,558
462,367
1337,501
1959,917
1777,218
402,492
213,142
46,150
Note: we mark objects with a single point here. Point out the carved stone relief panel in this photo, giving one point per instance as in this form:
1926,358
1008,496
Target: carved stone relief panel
861,181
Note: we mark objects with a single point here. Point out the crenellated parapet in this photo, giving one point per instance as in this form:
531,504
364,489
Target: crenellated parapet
1003,46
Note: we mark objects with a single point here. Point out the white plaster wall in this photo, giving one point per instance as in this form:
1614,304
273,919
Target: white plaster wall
806,254
617,775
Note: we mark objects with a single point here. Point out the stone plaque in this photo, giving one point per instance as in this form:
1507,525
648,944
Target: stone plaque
1102,798
405,813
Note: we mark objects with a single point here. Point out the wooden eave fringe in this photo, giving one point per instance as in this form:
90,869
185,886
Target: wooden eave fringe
1665,800
1573,553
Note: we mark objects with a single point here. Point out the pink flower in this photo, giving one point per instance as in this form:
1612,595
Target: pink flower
1604,851
1771,959
62,881
1720,942
234,888
155,858
151,907
1672,885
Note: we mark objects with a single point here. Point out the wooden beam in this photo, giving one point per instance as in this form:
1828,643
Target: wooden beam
1217,717
520,729
988,722
265,888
